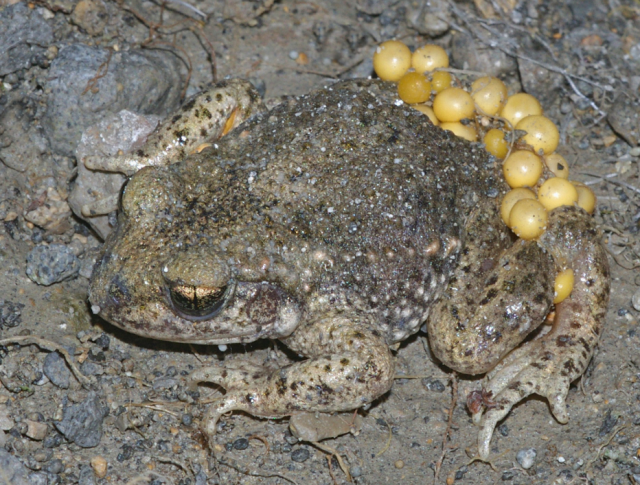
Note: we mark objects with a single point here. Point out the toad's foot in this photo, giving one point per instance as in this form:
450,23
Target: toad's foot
204,118
548,365
349,366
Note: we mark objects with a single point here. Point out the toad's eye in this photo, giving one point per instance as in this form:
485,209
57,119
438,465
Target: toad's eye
199,302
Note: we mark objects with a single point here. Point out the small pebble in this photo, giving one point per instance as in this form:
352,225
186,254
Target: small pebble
55,466
99,465
187,419
508,475
36,431
293,55
526,458
433,385
635,300
241,444
399,464
355,471
300,455
50,264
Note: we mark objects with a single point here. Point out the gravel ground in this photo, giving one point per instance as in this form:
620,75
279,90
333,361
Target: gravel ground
129,415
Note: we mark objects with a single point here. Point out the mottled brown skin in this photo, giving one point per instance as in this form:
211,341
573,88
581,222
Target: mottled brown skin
333,223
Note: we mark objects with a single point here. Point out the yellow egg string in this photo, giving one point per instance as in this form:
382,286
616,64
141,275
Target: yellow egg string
537,175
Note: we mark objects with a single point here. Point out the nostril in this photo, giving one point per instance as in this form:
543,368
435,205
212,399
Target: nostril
118,292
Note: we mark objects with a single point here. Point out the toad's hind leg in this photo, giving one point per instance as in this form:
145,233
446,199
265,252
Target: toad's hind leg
548,365
499,293
349,365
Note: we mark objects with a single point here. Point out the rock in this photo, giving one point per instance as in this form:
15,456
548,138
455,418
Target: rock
52,214
10,313
144,81
24,37
635,300
241,444
90,15
86,476
432,19
99,465
55,368
36,430
123,131
320,426
468,53
537,81
624,118
82,423
300,455
526,458
47,265
23,141
6,422
13,471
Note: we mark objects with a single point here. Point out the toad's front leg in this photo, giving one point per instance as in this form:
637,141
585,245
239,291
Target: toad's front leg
349,365
548,365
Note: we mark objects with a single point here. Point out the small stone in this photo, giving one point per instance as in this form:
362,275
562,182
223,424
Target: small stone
635,300
433,385
10,313
55,466
36,431
293,55
355,471
90,15
47,265
6,423
300,455
526,458
82,423
99,465
508,475
503,429
55,368
241,444
399,464
187,419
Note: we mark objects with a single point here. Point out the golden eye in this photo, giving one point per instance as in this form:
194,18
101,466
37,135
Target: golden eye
199,302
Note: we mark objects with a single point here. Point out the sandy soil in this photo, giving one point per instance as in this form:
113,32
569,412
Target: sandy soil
151,432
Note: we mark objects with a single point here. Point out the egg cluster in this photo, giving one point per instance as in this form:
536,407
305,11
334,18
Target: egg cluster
513,128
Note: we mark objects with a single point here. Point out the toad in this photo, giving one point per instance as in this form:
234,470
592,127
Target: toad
339,223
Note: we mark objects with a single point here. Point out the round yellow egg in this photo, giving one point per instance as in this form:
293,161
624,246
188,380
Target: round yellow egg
424,109
520,106
557,165
440,80
463,131
557,192
429,57
522,169
510,200
542,133
414,88
489,94
563,285
586,197
391,60
453,104
528,219
495,143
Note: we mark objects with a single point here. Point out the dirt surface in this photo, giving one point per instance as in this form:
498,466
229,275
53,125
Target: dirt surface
133,417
